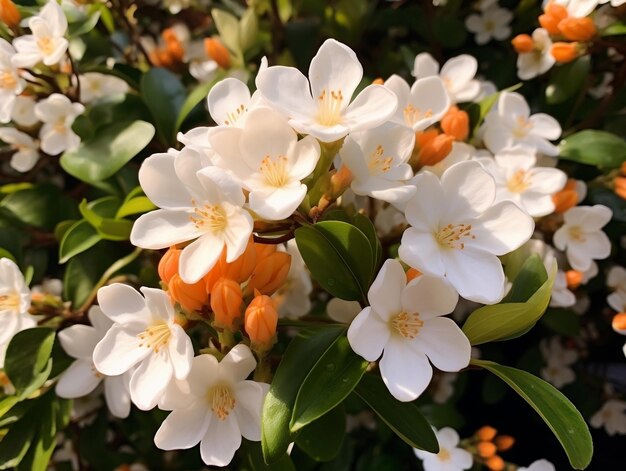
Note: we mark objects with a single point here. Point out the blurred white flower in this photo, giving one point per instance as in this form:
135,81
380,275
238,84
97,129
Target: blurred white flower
11,84
451,457
616,280
26,149
558,361
539,465
457,75
611,416
491,23
539,60
24,111
94,86
293,297
342,311
57,113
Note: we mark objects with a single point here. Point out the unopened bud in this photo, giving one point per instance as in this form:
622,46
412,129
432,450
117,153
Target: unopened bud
9,14
564,52
619,323
226,300
190,296
486,449
566,198
523,43
620,187
486,433
412,273
578,29
504,442
270,273
574,279
217,51
263,251
241,268
214,274
340,181
553,15
168,265
495,463
433,147
261,319
455,123
378,81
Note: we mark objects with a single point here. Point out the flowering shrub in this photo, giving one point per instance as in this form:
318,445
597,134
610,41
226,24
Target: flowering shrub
409,257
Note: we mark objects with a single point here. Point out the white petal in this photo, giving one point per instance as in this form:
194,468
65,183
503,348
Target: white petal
385,292
237,234
545,126
163,228
239,363
249,396
157,177
306,154
78,380
287,90
425,65
373,106
423,211
118,351
368,334
445,344
592,218
228,100
117,395
181,352
220,186
199,257
150,380
477,276
221,441
429,296
421,251
405,371
79,340
158,304
275,204
123,304
255,145
429,95
183,428
469,189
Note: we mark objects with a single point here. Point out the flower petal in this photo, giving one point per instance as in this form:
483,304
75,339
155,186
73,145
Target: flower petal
373,106
79,340
118,351
150,380
183,428
405,371
117,395
123,304
429,296
199,257
238,363
157,177
163,228
78,380
384,294
221,441
228,100
445,344
287,90
368,334
249,396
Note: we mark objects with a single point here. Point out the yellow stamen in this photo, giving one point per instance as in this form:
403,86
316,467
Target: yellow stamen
275,171
9,302
522,128
155,337
45,45
407,325
221,400
451,235
577,234
233,116
209,217
329,108
378,163
7,80
444,454
412,114
519,181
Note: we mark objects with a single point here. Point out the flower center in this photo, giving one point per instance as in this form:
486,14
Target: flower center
444,454
155,337
450,236
210,217
378,163
490,25
9,302
329,108
46,45
59,126
7,80
412,114
233,116
407,325
221,400
523,127
95,371
519,181
577,234
275,171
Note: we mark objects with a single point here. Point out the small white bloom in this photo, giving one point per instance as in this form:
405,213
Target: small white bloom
82,377
616,280
561,295
47,43
322,105
342,311
604,87
457,75
611,416
491,23
229,102
26,149
404,323
378,159
558,362
458,232
144,334
24,111
94,86
388,219
293,297
539,60
215,406
518,179
269,161
204,204
451,457
443,387
57,113
581,235
11,84
539,465
509,123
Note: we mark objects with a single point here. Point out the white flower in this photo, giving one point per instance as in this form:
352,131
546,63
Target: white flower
342,311
561,295
422,104
539,60
270,162
492,23
460,152
378,160
558,362
451,457
611,416
46,43
94,86
215,407
230,101
58,113
519,180
202,204
510,123
14,304
11,84
82,377
581,235
293,297
27,148
24,111
539,465
321,106
404,324
144,334
604,87
457,75
458,232
616,280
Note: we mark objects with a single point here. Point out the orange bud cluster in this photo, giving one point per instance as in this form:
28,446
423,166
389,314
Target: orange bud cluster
217,51
432,146
9,14
566,198
455,123
170,53
564,52
487,443
226,301
553,14
620,182
261,320
578,29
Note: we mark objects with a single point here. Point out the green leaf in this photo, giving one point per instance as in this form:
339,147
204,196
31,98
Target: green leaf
15,444
248,29
555,409
301,355
329,382
196,96
164,95
562,321
253,459
322,439
600,148
83,271
97,214
228,27
509,320
528,280
41,206
616,29
138,205
567,80
111,148
367,227
339,257
27,356
404,418
78,238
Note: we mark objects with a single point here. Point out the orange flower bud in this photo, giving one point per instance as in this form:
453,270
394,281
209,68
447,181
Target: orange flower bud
553,14
622,169
190,297
495,463
455,123
574,278
619,322
578,29
215,274
241,268
9,14
412,273
261,320
216,51
168,265
263,251
169,35
523,43
226,300
433,147
564,52
486,433
340,180
270,273
620,187
504,442
566,198
378,81
486,449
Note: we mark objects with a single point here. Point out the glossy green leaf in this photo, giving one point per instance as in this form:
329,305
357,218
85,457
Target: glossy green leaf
27,356
508,320
329,382
562,321
404,418
40,206
527,281
228,27
108,151
301,355
366,226
248,29
339,257
83,271
196,96
15,444
599,148
567,80
322,439
97,214
253,459
555,409
79,237
138,205
164,95
616,29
